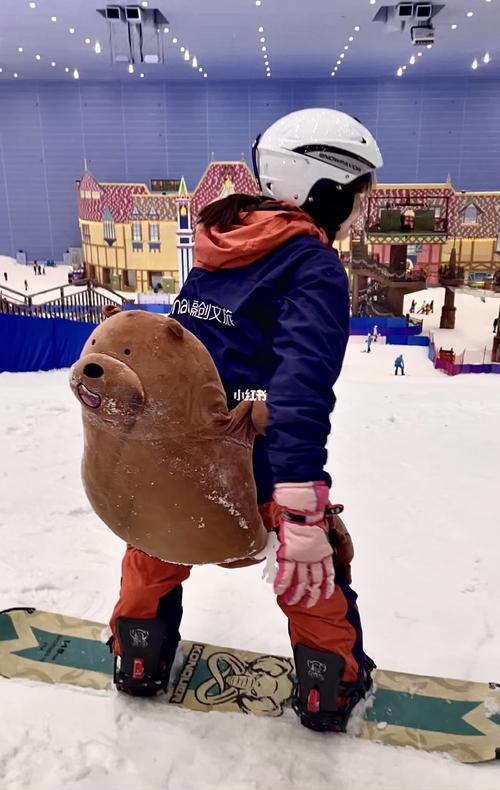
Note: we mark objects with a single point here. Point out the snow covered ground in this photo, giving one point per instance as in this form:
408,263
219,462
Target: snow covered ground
54,277
476,310
414,459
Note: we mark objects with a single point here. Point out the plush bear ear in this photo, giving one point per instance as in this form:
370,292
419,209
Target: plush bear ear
175,327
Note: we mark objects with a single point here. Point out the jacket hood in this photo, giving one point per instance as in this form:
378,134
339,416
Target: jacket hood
262,231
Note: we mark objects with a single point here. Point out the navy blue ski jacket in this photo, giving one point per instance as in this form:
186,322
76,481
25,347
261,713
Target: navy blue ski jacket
278,325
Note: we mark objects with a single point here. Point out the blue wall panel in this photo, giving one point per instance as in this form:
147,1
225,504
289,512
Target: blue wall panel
143,129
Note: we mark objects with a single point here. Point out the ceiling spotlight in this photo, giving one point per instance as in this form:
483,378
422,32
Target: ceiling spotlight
475,64
258,2
264,49
263,40
357,28
183,49
342,56
487,57
454,27
470,13
174,40
72,30
186,55
97,48
372,2
200,70
404,68
399,72
205,75
351,38
15,75
53,64
413,60
66,69
76,74
261,29
195,62
141,75
32,5
131,68
420,54
166,29
38,57
53,19
144,3
346,47
1,69
339,62
87,40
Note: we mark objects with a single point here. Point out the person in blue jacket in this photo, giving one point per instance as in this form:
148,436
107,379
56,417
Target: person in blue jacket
399,365
268,297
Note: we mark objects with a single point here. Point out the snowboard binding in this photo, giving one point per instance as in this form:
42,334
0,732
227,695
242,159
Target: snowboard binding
143,668
322,702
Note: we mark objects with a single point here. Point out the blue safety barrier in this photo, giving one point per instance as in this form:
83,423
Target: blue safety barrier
31,344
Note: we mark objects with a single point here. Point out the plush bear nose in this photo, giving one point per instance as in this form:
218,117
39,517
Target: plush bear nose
93,371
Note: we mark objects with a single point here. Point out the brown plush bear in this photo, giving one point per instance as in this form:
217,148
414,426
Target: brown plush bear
166,466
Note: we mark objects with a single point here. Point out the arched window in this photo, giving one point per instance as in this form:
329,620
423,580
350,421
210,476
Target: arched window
471,214
109,226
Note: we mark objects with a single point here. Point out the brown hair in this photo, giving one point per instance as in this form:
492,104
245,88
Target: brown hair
226,212
328,203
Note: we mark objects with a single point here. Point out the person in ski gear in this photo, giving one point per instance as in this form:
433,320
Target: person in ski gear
375,333
399,364
268,297
369,341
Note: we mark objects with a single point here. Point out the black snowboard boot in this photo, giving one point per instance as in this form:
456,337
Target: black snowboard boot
321,701
148,648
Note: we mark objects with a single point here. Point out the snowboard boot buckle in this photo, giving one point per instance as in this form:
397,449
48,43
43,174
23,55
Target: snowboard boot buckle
322,702
142,669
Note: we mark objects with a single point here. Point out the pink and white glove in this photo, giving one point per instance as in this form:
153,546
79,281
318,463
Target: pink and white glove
305,566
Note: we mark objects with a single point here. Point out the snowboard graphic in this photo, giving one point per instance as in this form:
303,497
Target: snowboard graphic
458,717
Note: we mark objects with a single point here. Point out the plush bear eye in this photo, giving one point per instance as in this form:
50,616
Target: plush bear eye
127,351
93,343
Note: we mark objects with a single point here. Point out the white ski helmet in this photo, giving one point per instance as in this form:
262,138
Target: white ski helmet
308,146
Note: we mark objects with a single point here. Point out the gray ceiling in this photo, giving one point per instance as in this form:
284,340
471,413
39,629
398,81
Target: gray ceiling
304,39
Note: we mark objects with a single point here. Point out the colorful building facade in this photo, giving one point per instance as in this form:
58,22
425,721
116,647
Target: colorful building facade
136,239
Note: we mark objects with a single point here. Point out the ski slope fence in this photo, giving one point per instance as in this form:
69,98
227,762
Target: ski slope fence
469,361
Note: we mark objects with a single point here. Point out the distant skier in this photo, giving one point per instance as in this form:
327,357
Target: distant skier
26,285
369,341
431,307
399,364
5,277
35,268
495,324
423,308
375,333
413,306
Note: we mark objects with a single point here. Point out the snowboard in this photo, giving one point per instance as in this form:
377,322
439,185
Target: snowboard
434,714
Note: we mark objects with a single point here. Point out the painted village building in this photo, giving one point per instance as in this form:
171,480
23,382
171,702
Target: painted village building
409,237
135,238
418,235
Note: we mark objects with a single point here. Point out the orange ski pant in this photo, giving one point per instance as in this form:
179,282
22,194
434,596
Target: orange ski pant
332,625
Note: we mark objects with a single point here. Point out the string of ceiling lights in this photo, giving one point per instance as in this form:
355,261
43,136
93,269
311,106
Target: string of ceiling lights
184,51
263,44
486,58
342,55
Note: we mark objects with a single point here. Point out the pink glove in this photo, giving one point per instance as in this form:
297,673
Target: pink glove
305,566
